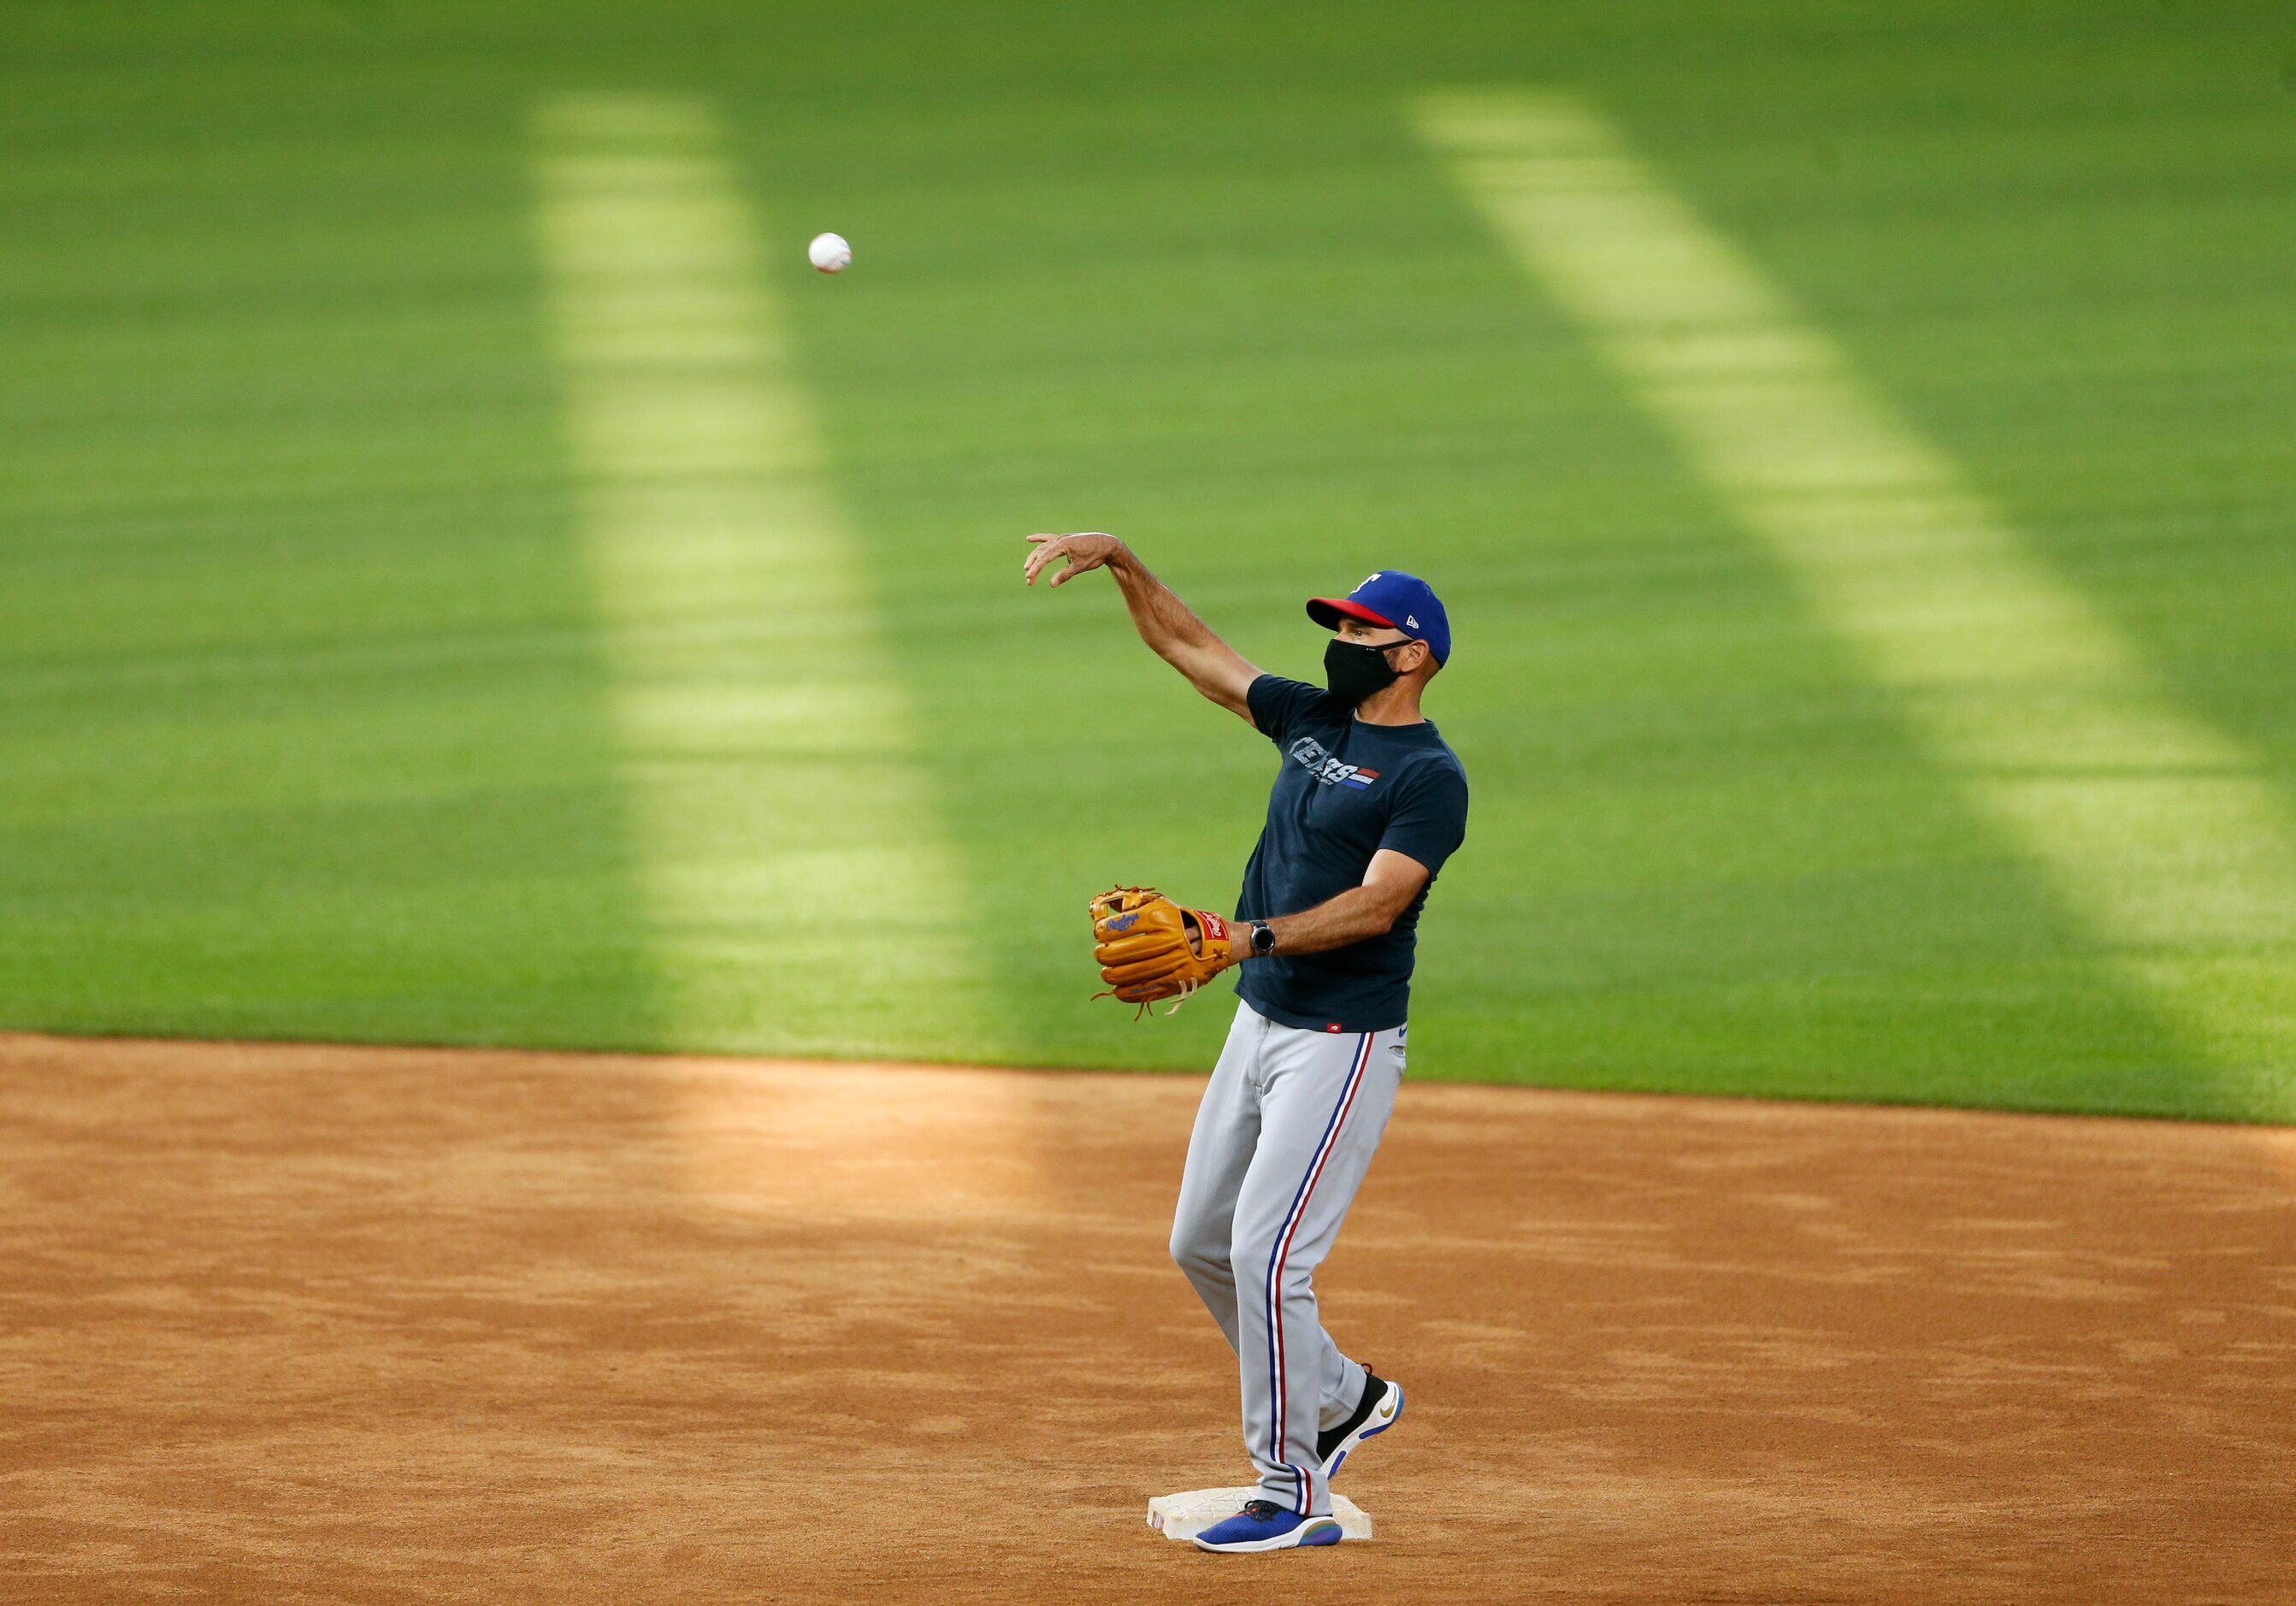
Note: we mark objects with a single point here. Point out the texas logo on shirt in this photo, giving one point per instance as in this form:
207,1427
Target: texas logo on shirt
1311,755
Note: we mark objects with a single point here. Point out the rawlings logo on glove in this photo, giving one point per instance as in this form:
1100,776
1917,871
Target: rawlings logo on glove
1150,948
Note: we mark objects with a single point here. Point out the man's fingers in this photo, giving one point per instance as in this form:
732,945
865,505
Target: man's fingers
1047,547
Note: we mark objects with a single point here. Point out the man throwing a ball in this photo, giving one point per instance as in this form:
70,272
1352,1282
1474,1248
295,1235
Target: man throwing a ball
1368,803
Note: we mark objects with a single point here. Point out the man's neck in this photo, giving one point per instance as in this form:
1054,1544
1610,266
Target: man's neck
1398,704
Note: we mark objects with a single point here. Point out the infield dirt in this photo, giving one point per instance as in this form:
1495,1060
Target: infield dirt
294,1323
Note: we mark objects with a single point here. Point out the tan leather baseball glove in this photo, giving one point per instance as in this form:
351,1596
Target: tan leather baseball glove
1150,948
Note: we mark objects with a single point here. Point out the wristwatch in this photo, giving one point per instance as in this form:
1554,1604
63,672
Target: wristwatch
1263,939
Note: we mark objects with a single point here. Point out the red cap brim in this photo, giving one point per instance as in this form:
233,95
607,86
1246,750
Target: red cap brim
1326,612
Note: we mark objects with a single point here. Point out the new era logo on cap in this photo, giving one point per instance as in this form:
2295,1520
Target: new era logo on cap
1399,601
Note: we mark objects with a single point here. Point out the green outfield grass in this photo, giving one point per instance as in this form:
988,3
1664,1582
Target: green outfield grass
317,710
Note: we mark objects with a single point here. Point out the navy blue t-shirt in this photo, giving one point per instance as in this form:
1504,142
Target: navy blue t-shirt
1344,791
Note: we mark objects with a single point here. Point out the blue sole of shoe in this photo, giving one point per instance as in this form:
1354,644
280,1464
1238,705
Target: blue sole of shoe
1315,1531
1340,1460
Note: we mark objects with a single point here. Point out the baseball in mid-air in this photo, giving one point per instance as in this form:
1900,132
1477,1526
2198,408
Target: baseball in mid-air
830,253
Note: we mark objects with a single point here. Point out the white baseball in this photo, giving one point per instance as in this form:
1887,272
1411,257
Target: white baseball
830,253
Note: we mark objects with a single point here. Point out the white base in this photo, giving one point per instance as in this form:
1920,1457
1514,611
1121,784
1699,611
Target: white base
1185,1516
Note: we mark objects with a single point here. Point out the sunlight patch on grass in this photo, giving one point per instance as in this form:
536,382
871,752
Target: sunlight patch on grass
2156,832
777,780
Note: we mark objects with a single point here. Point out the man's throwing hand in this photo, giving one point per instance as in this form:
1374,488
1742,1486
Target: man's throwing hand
1085,550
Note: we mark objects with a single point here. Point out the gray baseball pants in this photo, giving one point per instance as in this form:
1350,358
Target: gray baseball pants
1286,1130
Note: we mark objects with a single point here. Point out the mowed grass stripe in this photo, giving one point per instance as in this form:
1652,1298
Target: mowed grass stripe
773,767
2156,831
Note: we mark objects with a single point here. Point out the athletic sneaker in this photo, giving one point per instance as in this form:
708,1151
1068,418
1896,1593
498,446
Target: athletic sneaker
1374,1413
1264,1525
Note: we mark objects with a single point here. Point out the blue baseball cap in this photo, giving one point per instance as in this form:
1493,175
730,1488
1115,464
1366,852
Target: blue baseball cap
1399,601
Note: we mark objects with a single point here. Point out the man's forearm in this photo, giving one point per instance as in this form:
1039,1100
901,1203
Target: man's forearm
1358,913
1166,623
1172,632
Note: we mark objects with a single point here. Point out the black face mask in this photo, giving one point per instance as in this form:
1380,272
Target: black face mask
1353,671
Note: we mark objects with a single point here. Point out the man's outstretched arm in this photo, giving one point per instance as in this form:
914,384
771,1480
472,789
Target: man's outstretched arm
1171,631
